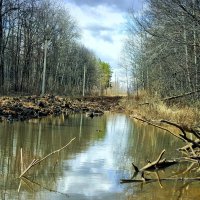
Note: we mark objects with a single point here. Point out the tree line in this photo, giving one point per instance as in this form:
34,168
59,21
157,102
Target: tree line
25,27
163,46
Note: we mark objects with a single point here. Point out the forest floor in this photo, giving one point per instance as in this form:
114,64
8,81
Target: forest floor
28,107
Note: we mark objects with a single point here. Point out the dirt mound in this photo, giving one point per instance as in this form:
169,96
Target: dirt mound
23,108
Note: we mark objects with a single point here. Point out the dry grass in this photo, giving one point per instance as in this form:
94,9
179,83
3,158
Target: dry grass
156,109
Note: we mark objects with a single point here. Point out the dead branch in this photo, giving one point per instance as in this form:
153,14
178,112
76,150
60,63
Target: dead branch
157,126
37,161
174,124
31,165
157,164
183,135
187,147
171,98
153,164
154,180
179,96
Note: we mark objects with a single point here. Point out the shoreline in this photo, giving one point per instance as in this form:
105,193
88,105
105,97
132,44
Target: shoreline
29,107
22,108
157,110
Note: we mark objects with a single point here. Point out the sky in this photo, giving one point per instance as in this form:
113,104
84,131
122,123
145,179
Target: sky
102,26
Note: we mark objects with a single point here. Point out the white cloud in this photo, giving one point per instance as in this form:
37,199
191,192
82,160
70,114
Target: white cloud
95,171
101,30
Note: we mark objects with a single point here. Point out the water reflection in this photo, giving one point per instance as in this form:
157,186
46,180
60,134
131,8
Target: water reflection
92,166
95,171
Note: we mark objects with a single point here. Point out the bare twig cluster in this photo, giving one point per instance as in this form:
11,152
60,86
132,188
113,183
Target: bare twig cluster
191,152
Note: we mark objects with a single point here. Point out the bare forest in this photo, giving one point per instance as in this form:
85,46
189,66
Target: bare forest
40,51
163,47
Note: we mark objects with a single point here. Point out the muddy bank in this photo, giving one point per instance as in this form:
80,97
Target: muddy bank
23,108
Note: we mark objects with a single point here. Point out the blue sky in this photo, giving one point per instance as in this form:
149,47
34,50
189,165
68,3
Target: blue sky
102,26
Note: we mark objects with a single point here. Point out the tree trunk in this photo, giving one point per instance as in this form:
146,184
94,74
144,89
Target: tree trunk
195,48
1,48
186,56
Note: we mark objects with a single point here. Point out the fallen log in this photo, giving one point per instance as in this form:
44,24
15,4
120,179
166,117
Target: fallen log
157,164
154,180
172,97
181,95
191,151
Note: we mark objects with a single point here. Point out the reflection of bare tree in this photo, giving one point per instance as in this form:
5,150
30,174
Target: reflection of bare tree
32,185
38,138
182,189
38,161
3,194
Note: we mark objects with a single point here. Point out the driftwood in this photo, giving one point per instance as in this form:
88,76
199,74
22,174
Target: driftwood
159,164
154,166
37,161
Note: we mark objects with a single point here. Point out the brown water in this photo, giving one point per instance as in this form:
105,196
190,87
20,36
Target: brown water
92,166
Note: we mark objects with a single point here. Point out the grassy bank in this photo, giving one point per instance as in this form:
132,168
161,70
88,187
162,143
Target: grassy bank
154,108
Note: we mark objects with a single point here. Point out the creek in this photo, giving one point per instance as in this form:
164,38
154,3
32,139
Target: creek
93,164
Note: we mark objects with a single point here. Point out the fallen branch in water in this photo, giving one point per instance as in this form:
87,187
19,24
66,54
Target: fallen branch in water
157,126
154,180
184,135
191,151
157,164
37,161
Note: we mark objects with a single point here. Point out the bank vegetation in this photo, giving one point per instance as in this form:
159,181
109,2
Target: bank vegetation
162,52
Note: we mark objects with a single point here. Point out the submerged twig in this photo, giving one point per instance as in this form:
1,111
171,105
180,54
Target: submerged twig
31,165
37,161
157,164
21,163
